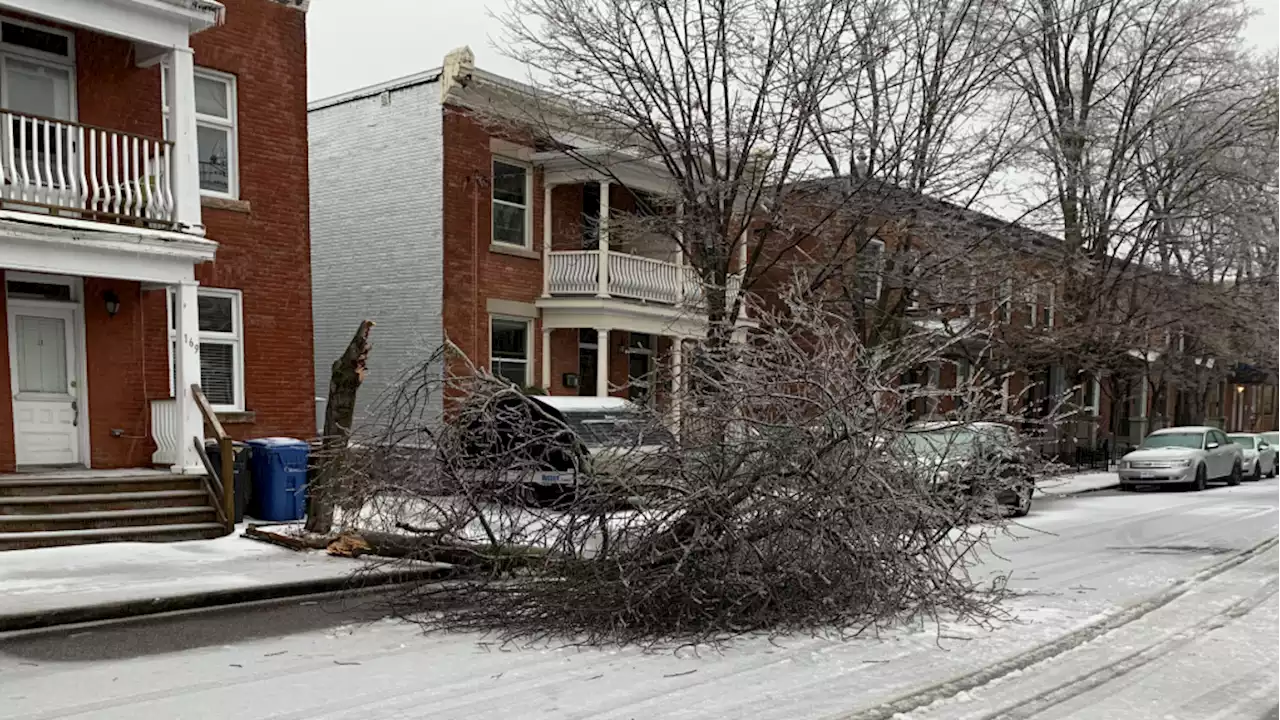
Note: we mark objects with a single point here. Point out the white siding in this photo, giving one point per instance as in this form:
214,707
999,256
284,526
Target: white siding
376,231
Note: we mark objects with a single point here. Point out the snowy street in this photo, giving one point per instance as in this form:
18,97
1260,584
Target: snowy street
1139,605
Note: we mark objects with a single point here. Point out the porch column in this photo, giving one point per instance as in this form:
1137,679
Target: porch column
680,290
546,360
186,372
677,379
603,249
181,94
546,240
602,362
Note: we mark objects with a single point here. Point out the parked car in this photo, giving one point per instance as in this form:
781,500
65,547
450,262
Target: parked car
941,448
1271,438
551,446
1259,455
1191,456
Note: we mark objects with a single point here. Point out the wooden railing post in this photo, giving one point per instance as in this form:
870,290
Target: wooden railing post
227,477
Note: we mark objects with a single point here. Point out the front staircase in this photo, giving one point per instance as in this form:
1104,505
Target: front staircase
45,509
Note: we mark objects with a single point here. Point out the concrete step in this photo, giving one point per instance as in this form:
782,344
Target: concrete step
144,533
89,502
101,519
18,485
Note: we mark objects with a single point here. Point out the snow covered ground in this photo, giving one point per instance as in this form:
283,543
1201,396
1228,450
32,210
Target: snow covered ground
1075,483
1131,606
58,578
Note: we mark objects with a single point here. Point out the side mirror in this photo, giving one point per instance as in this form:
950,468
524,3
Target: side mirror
1212,446
1263,446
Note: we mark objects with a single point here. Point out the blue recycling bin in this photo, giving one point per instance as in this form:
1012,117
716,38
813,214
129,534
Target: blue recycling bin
279,469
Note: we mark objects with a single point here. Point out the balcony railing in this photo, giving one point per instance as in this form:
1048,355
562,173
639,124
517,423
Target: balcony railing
50,165
577,272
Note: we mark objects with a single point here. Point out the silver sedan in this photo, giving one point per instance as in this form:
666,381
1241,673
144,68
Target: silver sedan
1259,455
1192,456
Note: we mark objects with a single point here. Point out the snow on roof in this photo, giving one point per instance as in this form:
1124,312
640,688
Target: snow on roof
1183,429
570,403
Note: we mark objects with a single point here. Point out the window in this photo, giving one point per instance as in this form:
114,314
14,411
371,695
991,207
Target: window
215,130
869,269
1004,304
511,204
639,366
509,349
1046,307
1033,307
221,347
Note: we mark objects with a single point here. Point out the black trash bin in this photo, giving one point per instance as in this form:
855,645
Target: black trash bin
239,467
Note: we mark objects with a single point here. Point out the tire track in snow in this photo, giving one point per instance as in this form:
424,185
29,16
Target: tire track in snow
1076,638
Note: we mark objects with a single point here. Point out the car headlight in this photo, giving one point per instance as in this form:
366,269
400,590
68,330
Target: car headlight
1181,463
1124,464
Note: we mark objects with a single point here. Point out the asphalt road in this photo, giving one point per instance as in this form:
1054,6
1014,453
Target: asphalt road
1159,605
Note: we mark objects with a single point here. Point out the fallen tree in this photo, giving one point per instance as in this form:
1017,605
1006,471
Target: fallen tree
783,500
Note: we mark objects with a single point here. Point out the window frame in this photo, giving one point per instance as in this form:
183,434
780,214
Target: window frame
39,57
528,200
231,124
528,346
1004,302
235,338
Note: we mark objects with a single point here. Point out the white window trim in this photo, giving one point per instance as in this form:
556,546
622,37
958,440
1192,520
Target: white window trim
1031,296
234,338
528,345
877,243
231,123
1052,301
528,201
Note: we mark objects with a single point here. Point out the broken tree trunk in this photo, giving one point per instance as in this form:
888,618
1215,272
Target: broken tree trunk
339,412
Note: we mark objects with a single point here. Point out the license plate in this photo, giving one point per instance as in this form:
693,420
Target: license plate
1146,475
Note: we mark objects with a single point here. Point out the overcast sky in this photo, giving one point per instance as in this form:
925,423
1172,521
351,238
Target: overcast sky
352,43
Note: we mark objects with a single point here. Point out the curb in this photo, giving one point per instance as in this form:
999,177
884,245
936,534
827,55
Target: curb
125,609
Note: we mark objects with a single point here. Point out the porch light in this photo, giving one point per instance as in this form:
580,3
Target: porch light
112,301
1239,389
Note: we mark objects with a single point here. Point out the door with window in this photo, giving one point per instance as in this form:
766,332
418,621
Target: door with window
43,362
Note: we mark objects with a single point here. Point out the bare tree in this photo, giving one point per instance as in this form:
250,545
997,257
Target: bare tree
790,500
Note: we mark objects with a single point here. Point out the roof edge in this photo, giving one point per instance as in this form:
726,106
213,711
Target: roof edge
425,77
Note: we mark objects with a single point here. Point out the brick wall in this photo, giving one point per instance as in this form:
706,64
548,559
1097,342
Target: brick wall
263,241
475,272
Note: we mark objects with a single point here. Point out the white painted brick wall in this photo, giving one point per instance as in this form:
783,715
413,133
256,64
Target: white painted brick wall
376,231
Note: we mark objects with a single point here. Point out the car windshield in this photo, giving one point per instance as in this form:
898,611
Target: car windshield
937,443
1180,440
1245,441
1271,439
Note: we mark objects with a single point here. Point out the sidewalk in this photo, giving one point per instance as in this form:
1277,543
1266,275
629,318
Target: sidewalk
86,583
1079,482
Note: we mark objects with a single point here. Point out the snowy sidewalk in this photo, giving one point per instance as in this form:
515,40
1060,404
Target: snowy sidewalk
1079,482
80,583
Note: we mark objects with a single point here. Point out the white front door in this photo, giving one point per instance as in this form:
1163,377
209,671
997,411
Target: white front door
42,357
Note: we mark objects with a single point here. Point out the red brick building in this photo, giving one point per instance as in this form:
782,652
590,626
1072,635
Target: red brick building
153,229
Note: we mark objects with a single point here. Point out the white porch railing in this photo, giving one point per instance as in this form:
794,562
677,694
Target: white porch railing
643,278
164,430
577,272
60,165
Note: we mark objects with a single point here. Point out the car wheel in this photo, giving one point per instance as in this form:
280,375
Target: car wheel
1201,479
1234,478
1256,475
1023,506
1275,468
